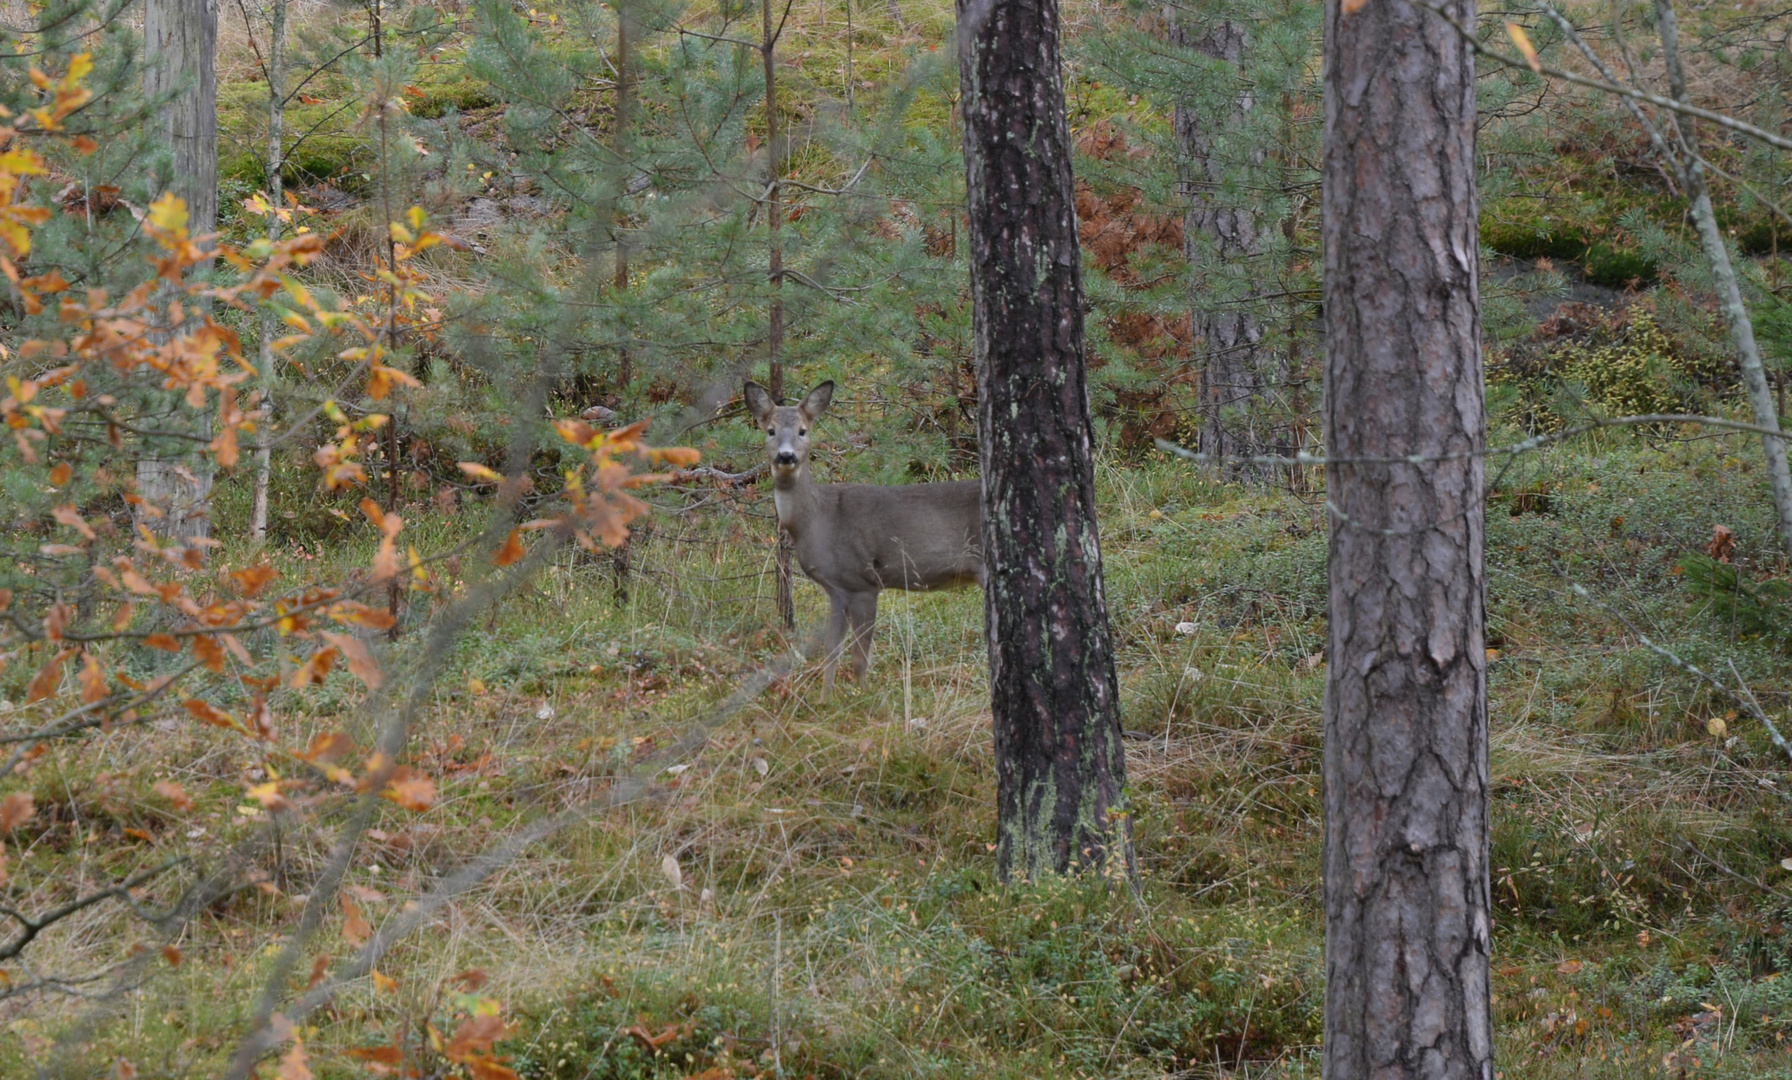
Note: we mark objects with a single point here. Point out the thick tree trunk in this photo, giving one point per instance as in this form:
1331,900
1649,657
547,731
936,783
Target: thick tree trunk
1723,275
1406,772
1243,376
1060,766
276,164
180,42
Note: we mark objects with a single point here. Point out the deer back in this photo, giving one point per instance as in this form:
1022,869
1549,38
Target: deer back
860,537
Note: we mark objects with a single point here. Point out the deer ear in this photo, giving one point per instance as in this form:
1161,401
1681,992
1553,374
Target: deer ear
817,401
759,401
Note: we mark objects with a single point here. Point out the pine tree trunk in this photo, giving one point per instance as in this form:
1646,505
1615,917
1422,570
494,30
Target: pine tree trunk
1060,766
1242,374
619,557
774,336
1723,274
180,42
1407,901
276,163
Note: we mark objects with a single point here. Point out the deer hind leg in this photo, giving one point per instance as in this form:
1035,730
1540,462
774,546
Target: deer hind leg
832,642
862,611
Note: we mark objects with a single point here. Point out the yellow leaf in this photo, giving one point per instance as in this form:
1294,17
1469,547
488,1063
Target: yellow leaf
1717,727
169,213
1523,41
21,161
479,472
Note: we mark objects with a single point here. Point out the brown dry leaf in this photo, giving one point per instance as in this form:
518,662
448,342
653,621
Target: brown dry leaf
48,680
172,955
253,579
1569,967
93,682
1723,542
15,810
511,551
476,1036
381,1055
315,668
413,791
71,517
319,968
1351,7
164,642
383,982
355,927
208,652
124,1070
481,1068
471,979
328,748
293,1063
360,660
209,714
121,619
175,794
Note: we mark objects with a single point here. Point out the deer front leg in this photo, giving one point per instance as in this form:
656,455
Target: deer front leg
832,642
862,611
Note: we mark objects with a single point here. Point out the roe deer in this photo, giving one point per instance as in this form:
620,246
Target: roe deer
855,540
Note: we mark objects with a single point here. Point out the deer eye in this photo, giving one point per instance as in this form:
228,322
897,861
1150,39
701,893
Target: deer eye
804,432
771,431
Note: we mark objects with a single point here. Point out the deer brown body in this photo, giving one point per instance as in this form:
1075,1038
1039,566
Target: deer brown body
856,540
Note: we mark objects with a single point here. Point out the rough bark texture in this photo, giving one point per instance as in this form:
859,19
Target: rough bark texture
1242,374
1406,772
180,42
1060,767
1723,275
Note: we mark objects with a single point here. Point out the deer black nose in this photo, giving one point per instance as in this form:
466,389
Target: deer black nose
785,457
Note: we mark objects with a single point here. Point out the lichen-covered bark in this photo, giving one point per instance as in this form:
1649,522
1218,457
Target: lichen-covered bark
1406,773
1060,766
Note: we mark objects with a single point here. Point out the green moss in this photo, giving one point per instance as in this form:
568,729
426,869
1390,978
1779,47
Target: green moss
1542,237
1619,268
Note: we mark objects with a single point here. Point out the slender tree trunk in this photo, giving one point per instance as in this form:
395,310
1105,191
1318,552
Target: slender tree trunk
1723,274
1242,373
619,557
180,42
774,335
258,512
1407,902
1060,765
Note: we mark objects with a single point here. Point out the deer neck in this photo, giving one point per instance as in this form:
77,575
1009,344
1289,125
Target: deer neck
794,497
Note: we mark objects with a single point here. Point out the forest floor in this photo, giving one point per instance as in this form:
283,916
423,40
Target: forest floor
811,886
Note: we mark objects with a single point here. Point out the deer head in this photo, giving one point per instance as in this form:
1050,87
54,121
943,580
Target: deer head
786,427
